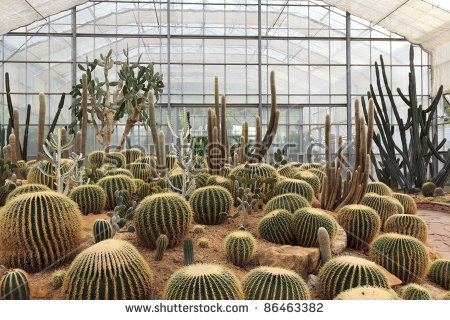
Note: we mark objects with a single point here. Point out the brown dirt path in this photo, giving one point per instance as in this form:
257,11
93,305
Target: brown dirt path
438,230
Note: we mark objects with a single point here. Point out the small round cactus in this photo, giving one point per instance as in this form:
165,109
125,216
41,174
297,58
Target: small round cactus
310,178
307,221
367,293
288,201
407,224
361,223
161,245
346,272
300,187
428,189
271,283
276,227
203,243
415,292
404,256
408,203
208,204
15,286
440,272
90,198
379,188
58,278
240,247
102,230
385,206
198,228
203,282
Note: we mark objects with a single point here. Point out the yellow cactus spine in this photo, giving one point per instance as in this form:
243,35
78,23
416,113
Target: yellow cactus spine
209,202
14,286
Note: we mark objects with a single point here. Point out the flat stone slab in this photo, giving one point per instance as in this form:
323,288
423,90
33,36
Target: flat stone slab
339,242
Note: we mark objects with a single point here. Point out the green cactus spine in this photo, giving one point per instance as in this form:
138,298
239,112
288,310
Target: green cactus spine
96,158
295,186
162,213
379,188
26,188
404,256
203,282
306,222
346,272
361,223
161,245
14,286
271,283
115,158
276,227
407,224
240,247
408,203
219,181
440,272
288,201
311,179
131,155
141,171
102,230
367,293
209,202
58,278
112,184
90,198
188,252
28,241
385,206
415,292
110,269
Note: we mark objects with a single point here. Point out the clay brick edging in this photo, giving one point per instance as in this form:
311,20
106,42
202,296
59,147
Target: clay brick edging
435,206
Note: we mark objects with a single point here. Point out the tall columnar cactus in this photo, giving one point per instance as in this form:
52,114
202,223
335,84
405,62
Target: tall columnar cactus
15,286
407,224
26,188
299,187
404,256
110,269
415,292
64,141
367,293
141,171
96,158
209,202
408,203
41,125
188,252
115,158
162,213
90,198
111,184
361,223
287,201
17,135
276,227
271,283
203,282
324,244
156,135
379,188
440,272
337,193
383,205
346,272
102,230
311,179
240,247
161,245
28,241
306,222
405,165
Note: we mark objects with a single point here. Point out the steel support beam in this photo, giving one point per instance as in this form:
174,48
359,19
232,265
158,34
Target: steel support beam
259,62
349,85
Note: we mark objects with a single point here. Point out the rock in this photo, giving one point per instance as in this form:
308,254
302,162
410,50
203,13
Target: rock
339,243
393,280
437,292
438,192
299,259
311,282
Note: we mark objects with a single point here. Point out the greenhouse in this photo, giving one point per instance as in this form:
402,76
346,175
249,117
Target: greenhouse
225,150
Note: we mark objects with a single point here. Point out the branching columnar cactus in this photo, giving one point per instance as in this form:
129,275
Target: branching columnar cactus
115,158
271,283
141,171
384,206
28,241
14,286
276,227
287,171
409,205
111,184
161,245
131,155
240,247
306,222
90,198
379,188
295,186
162,213
203,282
246,203
324,244
119,171
361,223
96,158
367,293
220,181
404,256
311,179
188,252
102,230
415,292
58,278
346,272
287,201
209,202
26,188
410,225
428,189
110,269
440,272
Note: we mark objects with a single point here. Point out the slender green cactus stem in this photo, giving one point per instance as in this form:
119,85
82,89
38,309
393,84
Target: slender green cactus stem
188,252
17,135
223,128
84,114
41,128
162,152
217,105
25,135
